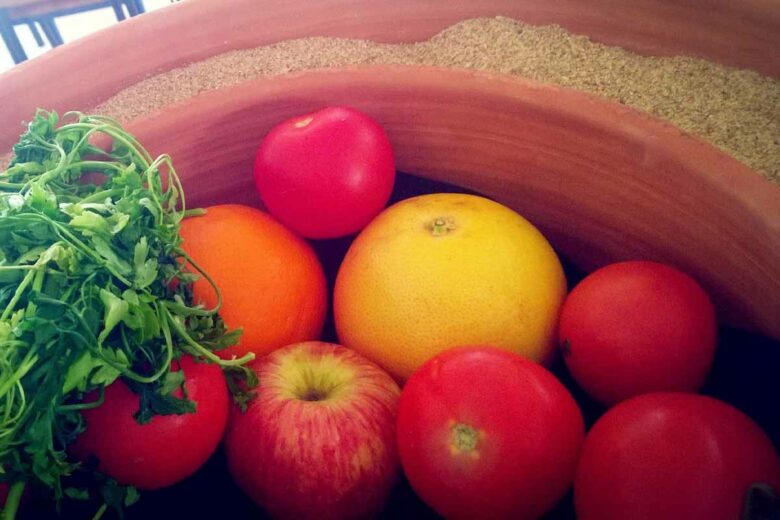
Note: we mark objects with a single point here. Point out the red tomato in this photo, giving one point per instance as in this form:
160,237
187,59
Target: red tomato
671,456
635,327
167,449
485,433
325,174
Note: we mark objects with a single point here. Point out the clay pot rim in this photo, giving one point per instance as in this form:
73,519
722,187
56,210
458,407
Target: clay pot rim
718,168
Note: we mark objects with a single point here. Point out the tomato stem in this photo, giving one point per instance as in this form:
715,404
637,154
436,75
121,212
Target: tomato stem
464,438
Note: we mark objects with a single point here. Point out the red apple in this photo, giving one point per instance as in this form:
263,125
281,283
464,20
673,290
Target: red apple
318,441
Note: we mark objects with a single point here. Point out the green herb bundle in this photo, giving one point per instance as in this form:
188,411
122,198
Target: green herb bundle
94,285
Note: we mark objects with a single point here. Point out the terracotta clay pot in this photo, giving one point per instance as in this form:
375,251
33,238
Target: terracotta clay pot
603,182
80,75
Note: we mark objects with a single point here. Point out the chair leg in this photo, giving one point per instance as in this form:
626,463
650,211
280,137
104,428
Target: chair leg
135,7
50,30
36,33
118,11
9,37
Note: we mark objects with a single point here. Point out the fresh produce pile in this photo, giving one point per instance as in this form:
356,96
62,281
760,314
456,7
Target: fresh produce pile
138,336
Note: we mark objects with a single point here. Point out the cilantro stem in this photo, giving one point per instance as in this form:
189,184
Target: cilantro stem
37,284
202,351
164,367
28,278
96,165
10,398
197,212
100,512
51,174
100,196
85,405
24,367
14,186
116,135
68,235
208,278
154,167
13,500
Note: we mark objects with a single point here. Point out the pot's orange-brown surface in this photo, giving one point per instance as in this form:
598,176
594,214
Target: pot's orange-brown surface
603,182
86,72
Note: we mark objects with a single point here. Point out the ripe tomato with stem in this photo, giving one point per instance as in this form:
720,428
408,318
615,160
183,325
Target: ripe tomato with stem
486,433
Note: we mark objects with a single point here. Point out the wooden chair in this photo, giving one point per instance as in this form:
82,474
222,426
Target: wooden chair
43,13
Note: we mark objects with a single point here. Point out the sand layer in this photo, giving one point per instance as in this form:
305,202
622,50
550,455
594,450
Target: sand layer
736,110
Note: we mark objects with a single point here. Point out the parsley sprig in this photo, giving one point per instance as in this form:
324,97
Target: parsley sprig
94,285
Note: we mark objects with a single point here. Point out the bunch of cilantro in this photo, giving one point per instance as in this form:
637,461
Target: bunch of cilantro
94,286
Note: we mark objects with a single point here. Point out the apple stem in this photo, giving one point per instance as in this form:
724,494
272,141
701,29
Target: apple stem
312,395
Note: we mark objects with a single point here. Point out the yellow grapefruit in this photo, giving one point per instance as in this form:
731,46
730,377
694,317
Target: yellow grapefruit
442,270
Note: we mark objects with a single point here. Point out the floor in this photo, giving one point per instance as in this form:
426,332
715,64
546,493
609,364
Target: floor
71,27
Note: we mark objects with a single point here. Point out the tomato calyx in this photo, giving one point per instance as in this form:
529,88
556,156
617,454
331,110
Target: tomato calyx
464,440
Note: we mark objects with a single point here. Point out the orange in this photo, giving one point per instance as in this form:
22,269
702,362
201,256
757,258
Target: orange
272,282
443,270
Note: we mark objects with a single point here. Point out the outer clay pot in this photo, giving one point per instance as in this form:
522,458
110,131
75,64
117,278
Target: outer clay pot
604,181
742,33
